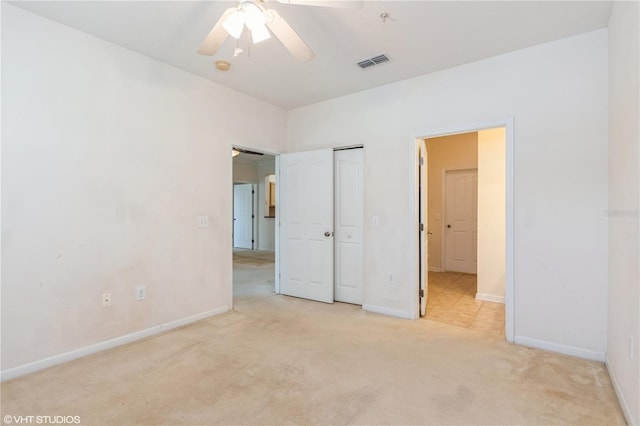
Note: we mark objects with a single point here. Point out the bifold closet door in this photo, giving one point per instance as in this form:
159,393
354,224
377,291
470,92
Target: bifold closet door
349,201
306,225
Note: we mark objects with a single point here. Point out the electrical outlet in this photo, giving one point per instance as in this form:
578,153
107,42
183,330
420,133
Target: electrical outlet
202,221
106,300
141,292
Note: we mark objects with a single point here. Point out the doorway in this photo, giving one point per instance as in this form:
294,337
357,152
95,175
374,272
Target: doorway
254,230
450,263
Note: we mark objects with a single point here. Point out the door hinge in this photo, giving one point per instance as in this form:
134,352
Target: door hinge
421,227
253,241
421,293
422,161
253,192
252,217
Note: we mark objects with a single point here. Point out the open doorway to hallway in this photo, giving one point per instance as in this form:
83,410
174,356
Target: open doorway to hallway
254,222
465,226
253,275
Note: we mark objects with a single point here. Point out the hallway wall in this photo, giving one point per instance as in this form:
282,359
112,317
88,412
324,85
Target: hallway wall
491,215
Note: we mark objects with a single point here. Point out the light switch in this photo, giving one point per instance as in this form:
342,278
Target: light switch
375,221
203,221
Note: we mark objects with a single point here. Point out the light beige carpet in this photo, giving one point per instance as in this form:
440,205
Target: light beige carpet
281,360
242,257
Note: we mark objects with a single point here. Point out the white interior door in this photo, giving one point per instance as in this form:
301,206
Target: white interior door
349,201
243,216
424,235
306,225
461,221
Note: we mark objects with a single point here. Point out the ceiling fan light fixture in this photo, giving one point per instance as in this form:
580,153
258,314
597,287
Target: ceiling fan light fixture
260,33
262,23
234,24
253,15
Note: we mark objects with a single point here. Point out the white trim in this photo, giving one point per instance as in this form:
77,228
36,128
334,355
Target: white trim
623,402
489,298
510,281
107,344
560,348
435,269
255,234
388,311
277,225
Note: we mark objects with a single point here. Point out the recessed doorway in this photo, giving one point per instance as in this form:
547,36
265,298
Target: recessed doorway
464,232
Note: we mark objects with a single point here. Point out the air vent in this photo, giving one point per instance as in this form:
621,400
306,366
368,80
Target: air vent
375,60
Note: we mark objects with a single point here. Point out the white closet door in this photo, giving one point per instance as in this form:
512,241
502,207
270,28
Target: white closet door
349,200
306,225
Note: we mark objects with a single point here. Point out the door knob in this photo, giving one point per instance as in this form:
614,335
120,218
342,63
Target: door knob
327,234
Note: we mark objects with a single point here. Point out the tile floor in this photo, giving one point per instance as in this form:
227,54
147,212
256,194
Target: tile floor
451,300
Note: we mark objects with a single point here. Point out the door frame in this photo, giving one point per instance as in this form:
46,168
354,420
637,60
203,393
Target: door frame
266,151
443,208
508,124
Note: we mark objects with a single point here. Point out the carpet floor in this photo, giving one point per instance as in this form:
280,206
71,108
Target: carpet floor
281,360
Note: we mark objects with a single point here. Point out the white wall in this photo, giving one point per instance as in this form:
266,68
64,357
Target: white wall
623,217
244,172
108,157
491,214
557,94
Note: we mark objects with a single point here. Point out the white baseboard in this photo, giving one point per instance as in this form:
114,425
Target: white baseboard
560,348
388,311
621,399
435,269
490,298
31,367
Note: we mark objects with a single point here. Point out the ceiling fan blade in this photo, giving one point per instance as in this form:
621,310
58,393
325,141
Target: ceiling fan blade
288,37
216,36
248,151
345,4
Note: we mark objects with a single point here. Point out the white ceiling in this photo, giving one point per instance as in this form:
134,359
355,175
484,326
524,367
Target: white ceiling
419,37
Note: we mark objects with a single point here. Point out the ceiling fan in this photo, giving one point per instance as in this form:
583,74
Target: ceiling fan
261,22
237,151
